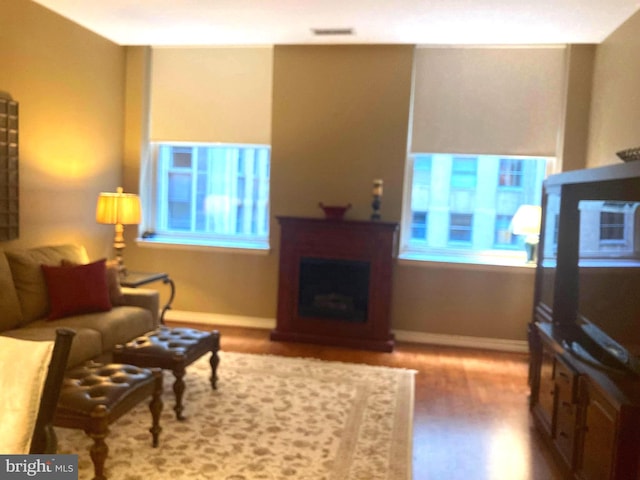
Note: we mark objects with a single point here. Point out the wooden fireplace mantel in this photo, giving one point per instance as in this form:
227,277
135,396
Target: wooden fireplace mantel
373,242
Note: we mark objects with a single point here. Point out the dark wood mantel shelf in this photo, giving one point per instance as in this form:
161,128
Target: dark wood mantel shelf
369,243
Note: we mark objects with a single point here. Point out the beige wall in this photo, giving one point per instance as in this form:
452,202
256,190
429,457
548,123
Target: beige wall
136,119
574,129
339,121
69,83
471,301
615,109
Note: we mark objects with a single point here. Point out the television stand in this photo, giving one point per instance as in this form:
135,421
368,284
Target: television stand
587,412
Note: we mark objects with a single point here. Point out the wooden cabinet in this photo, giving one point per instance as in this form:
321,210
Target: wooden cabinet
589,416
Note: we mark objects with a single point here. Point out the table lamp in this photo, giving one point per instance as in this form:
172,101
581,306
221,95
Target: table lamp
118,209
526,221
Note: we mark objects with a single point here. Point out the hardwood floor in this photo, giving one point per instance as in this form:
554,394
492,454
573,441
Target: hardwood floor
471,417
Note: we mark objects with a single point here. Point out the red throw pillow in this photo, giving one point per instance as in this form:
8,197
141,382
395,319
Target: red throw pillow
77,289
113,280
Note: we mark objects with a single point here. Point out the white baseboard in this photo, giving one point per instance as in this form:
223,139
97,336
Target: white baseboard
182,316
499,344
519,346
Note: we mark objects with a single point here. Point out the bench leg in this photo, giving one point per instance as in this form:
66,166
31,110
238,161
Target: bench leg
214,360
155,406
178,390
99,451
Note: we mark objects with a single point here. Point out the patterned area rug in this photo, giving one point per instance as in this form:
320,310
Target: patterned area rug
271,418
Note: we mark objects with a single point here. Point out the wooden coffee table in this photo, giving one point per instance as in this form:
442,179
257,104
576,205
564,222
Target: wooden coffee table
172,349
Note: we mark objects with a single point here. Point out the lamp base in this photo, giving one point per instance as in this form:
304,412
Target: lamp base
532,252
122,270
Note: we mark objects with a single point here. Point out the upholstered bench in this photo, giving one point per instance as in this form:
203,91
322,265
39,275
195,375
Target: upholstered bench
172,349
94,395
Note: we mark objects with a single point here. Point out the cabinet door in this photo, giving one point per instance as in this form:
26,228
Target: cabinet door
543,406
599,420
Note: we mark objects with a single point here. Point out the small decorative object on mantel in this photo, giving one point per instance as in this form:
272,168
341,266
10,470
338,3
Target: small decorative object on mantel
334,212
629,155
377,199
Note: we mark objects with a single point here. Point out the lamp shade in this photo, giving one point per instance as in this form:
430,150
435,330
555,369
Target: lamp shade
118,208
526,220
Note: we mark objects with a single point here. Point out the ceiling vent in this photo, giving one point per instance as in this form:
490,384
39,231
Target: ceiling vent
332,31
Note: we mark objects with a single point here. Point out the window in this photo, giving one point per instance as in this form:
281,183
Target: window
464,173
420,197
609,229
419,226
212,194
460,206
612,226
460,228
510,174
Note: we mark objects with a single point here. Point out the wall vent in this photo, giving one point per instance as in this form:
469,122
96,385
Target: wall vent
332,31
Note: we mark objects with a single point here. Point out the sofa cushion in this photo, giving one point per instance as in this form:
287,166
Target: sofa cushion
144,298
119,325
86,345
113,281
10,313
77,289
28,277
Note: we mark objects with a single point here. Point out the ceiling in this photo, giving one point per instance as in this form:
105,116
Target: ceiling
269,22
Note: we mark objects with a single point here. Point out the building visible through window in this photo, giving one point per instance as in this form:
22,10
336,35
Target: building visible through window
463,204
212,194
609,229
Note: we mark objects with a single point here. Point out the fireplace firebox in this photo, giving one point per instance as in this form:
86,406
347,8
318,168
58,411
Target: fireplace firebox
336,289
334,283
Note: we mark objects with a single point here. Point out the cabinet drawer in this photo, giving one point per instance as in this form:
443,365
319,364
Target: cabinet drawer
567,381
566,411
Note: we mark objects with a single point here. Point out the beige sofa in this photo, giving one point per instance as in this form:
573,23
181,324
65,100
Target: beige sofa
25,305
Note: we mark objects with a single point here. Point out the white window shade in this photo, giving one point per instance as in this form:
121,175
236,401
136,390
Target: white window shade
488,100
212,95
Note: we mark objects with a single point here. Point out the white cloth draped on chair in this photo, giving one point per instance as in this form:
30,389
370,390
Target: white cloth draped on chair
24,366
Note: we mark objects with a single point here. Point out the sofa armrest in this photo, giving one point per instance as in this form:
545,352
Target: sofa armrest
145,298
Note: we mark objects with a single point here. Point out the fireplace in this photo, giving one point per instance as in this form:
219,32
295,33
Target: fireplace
336,289
334,283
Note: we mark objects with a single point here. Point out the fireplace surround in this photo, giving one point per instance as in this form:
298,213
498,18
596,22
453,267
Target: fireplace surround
334,283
